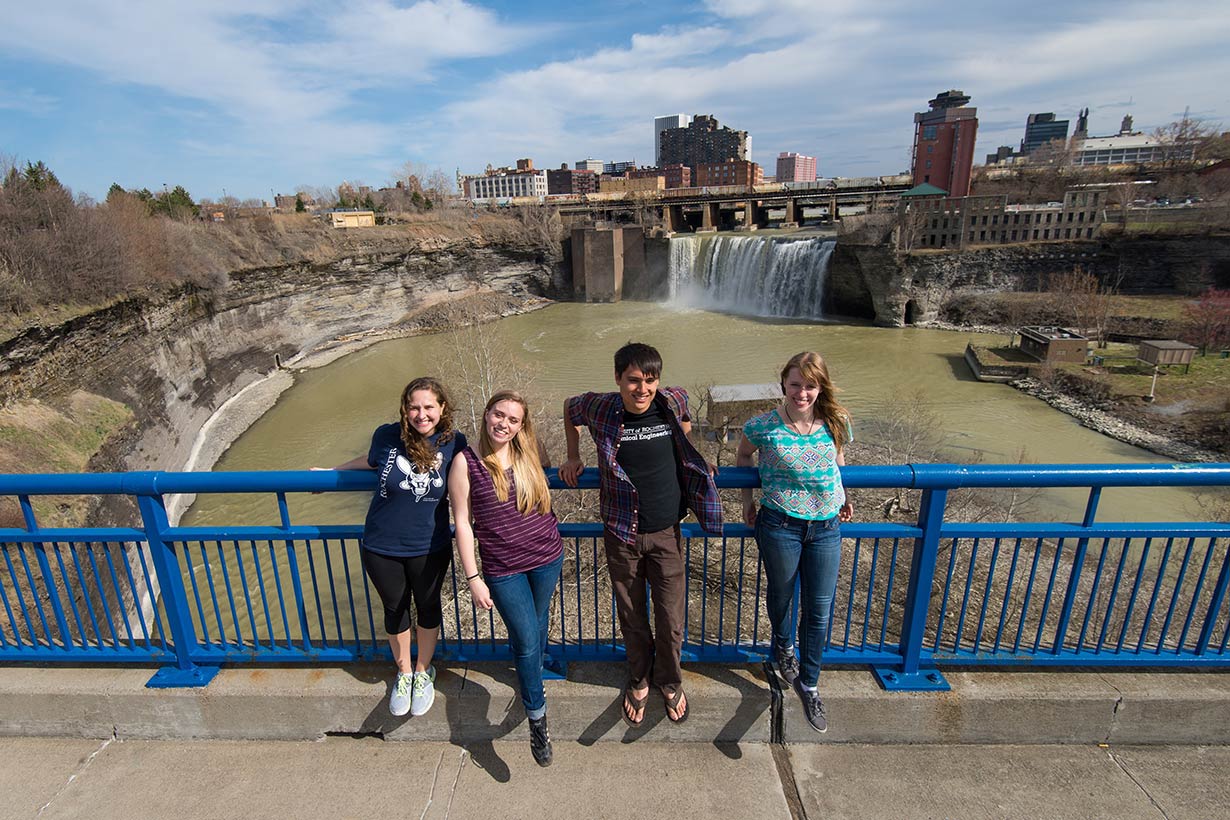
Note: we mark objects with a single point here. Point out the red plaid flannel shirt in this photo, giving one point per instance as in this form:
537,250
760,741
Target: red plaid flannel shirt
603,414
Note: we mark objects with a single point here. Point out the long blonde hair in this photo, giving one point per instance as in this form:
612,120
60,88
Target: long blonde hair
533,494
826,409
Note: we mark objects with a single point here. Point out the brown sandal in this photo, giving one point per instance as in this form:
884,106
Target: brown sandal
637,705
672,703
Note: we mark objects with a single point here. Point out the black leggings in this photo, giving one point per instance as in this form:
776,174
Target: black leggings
397,579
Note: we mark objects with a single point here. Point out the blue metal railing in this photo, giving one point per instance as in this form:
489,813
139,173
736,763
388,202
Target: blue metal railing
911,598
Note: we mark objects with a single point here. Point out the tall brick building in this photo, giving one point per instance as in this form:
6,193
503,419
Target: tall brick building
702,141
944,143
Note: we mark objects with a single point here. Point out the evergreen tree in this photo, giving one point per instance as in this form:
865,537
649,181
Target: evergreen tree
299,206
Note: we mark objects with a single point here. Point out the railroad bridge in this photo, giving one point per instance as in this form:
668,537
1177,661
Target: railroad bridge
720,207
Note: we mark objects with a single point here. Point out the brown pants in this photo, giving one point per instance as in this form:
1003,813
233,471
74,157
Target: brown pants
656,557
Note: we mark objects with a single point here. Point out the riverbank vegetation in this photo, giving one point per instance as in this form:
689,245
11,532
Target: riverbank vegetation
63,255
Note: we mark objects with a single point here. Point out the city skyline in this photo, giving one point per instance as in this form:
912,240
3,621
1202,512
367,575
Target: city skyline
245,98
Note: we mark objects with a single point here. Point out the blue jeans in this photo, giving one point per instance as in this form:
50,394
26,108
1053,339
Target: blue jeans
523,600
809,552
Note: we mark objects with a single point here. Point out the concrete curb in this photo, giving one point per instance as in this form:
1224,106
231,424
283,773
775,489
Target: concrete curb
478,703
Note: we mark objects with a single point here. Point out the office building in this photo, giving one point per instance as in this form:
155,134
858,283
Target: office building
618,167
594,165
1041,129
792,167
505,183
944,143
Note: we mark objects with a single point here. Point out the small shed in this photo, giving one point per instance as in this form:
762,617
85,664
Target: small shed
340,218
1054,344
730,405
1158,352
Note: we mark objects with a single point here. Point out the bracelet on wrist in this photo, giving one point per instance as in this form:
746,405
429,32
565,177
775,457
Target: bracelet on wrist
472,577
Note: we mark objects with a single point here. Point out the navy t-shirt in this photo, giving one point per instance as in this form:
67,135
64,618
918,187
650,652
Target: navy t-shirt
409,510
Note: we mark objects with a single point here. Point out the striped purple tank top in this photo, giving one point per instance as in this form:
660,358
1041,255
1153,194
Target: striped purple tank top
508,541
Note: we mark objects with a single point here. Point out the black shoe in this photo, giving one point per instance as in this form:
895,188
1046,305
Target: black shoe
813,707
788,666
540,741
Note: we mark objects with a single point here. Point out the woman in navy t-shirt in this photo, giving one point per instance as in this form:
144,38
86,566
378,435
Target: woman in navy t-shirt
407,548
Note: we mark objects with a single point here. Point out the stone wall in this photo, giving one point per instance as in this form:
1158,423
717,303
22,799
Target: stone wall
874,282
174,358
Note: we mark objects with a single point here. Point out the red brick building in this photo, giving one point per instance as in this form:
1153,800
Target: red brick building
567,181
944,143
730,172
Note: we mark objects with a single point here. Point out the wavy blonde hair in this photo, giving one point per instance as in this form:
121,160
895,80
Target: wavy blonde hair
533,494
421,451
827,409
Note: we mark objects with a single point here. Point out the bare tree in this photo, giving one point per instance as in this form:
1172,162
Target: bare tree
1085,300
1181,141
1207,320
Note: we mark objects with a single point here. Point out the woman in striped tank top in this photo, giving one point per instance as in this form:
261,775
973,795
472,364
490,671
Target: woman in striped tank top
500,497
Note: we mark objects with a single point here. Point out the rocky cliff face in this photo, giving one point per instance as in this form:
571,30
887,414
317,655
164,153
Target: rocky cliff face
174,358
875,282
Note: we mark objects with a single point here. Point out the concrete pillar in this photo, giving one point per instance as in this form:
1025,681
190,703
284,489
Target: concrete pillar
673,217
603,264
710,216
578,262
794,213
834,215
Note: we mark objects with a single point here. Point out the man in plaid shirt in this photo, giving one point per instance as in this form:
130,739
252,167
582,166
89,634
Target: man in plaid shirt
650,475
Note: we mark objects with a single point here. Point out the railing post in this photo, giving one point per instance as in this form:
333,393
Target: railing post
1215,604
1078,566
911,676
174,600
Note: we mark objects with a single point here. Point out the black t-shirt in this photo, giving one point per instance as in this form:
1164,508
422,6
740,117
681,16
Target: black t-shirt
409,511
647,454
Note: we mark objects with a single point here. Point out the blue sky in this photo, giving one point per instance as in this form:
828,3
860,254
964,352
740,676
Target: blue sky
254,96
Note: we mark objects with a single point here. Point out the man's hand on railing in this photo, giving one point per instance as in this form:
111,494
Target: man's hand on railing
570,471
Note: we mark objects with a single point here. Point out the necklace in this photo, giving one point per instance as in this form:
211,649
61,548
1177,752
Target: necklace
797,425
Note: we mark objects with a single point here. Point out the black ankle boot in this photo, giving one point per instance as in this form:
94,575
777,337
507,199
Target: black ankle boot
540,741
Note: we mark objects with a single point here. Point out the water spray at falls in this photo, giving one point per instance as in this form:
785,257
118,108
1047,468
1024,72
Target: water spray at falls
750,275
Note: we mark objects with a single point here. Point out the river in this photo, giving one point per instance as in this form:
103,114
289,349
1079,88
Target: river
328,415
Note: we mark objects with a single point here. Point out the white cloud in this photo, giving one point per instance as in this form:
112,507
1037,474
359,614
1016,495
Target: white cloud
26,100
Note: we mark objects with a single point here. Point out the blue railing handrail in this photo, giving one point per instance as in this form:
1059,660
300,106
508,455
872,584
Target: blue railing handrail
1041,593
907,476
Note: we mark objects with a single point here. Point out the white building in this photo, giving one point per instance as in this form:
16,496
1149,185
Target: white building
506,184
1124,149
660,124
594,165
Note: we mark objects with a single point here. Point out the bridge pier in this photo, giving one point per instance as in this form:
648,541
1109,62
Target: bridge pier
710,216
794,213
672,217
754,216
834,215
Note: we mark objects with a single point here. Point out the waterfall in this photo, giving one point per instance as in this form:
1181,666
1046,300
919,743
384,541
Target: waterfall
758,276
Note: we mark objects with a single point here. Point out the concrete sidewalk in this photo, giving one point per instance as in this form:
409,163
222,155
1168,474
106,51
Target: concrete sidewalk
370,778
729,704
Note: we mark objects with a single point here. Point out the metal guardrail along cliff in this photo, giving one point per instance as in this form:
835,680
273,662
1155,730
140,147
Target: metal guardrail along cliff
912,599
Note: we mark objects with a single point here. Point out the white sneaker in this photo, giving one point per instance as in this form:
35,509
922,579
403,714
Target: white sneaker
424,692
399,701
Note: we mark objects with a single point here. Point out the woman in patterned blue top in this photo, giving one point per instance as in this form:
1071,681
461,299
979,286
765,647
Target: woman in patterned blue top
801,446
